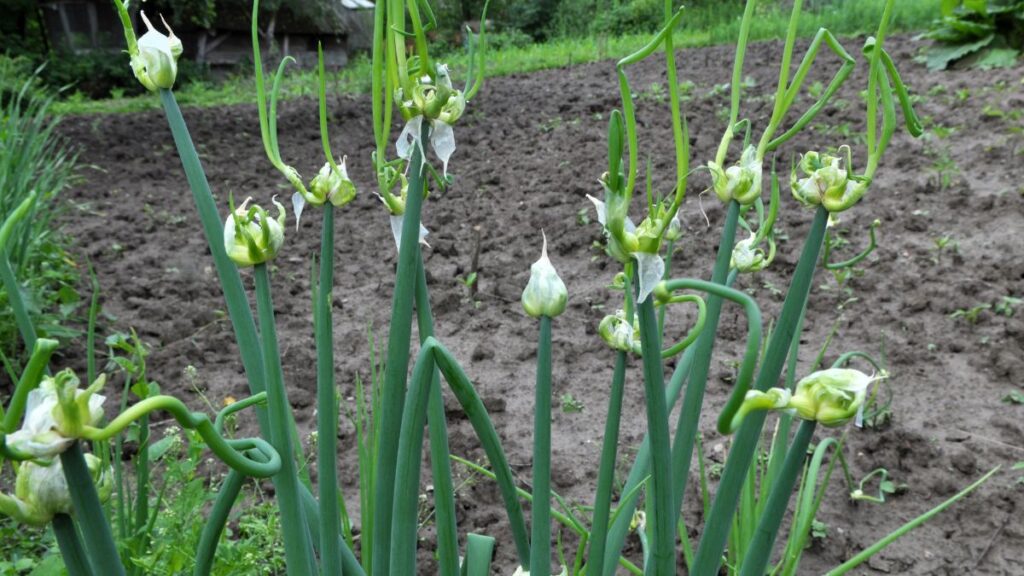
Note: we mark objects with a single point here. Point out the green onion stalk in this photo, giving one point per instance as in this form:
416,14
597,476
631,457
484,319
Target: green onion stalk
397,363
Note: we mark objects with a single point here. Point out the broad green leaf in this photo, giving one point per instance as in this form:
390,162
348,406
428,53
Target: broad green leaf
940,57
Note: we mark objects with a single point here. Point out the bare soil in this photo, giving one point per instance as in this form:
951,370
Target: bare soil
529,148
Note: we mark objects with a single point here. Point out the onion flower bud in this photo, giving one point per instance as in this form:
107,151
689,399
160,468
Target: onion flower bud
545,293
824,176
156,62
55,413
741,182
251,236
832,397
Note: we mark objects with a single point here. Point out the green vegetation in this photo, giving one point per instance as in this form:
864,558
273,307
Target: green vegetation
701,26
113,516
983,33
34,163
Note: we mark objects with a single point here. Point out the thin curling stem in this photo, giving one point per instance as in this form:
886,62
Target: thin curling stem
228,451
606,473
716,530
99,540
693,399
759,549
397,366
737,67
540,519
297,545
440,455
327,404
71,550
663,525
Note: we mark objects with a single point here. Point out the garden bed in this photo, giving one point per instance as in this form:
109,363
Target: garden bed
530,148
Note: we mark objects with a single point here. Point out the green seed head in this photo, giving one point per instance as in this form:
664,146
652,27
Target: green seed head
332,186
251,236
747,256
55,414
824,178
832,397
741,182
619,334
41,491
545,293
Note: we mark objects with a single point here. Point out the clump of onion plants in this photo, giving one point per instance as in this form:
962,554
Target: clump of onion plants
57,483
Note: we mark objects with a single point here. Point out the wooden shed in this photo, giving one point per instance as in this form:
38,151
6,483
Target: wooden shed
82,26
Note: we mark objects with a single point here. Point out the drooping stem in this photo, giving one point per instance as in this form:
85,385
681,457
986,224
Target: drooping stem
540,534
99,540
759,548
709,553
297,545
397,366
327,404
71,550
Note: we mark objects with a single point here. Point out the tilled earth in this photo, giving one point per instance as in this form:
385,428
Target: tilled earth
529,149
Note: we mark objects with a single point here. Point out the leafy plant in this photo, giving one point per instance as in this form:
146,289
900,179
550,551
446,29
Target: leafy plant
987,33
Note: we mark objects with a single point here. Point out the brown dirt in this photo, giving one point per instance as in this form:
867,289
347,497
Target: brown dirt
530,148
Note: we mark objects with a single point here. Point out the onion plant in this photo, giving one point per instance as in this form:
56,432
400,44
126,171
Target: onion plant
743,519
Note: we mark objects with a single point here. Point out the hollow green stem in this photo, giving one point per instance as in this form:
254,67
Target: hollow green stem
540,518
397,366
709,553
234,407
759,549
99,540
737,67
71,550
811,497
662,526
479,550
606,473
693,399
231,283
327,404
349,563
297,545
440,455
215,522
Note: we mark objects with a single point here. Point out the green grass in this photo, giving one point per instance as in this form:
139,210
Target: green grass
700,27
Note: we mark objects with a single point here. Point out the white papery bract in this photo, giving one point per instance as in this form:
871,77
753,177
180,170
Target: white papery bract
50,424
156,63
545,293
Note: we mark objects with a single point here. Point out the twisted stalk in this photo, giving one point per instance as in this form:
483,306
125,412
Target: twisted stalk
229,451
